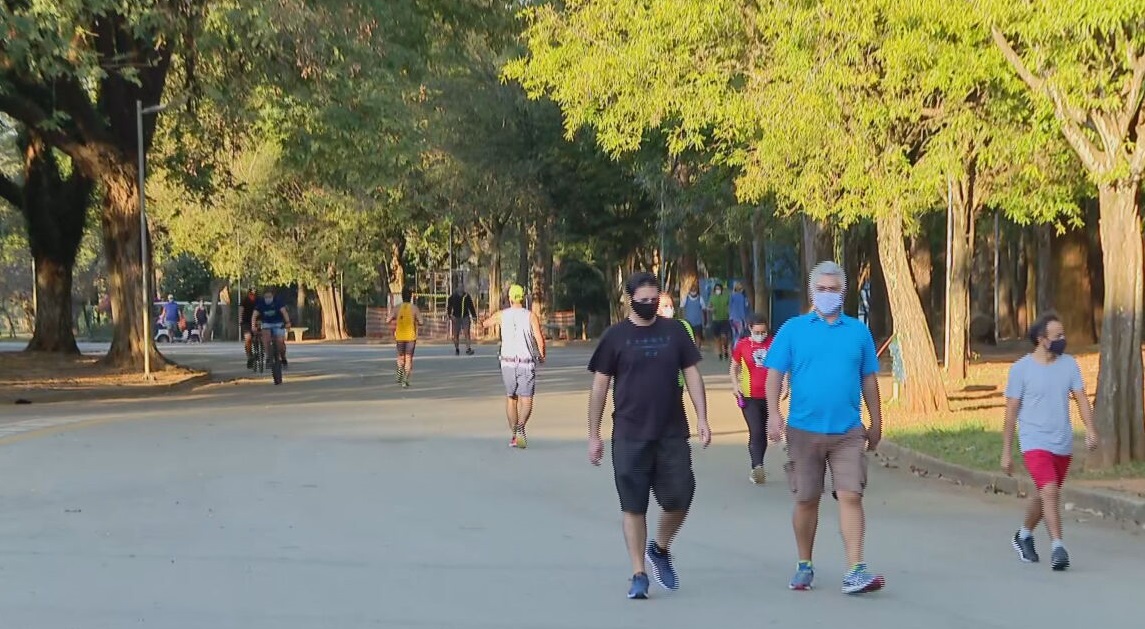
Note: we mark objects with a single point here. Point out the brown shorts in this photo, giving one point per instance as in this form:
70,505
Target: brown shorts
809,455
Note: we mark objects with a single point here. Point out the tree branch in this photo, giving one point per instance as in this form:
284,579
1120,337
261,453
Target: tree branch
1071,120
11,192
1133,96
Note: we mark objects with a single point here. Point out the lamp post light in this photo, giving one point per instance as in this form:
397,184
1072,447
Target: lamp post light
140,110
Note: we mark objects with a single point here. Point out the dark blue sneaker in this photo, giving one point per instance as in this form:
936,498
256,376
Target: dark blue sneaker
639,588
662,569
804,577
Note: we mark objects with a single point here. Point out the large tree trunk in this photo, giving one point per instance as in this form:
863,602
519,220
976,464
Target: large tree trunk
957,360
55,212
1072,295
1027,283
818,244
748,273
923,389
120,221
1120,414
761,303
524,242
882,321
689,273
922,270
333,317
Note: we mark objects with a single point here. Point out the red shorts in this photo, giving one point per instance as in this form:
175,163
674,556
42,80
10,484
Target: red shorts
1045,467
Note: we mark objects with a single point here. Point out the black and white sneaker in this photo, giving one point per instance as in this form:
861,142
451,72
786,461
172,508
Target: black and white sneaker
1025,548
1059,559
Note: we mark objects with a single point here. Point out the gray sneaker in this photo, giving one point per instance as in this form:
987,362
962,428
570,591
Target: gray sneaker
1025,548
1059,559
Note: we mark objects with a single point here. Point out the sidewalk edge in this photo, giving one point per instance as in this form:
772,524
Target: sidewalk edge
1099,502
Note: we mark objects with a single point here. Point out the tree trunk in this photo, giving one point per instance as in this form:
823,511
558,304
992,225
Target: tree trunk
961,260
1023,302
1120,416
817,245
523,259
923,389
747,275
761,303
922,270
55,212
1073,298
540,255
689,274
882,321
496,241
217,288
1044,293
121,235
1007,289
333,321
300,306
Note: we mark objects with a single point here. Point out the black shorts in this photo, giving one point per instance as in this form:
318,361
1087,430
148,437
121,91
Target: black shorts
245,328
406,348
721,328
660,466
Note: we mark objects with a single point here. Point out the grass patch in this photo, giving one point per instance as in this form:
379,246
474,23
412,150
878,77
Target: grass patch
977,444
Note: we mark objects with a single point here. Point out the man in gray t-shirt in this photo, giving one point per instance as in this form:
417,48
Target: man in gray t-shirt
1037,401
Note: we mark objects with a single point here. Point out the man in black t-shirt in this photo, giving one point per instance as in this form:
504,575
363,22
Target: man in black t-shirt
246,310
643,357
461,315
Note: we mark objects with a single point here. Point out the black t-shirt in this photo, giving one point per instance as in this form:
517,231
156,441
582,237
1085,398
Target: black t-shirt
461,306
645,364
247,309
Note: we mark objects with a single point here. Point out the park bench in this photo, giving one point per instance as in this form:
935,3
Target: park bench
297,333
562,323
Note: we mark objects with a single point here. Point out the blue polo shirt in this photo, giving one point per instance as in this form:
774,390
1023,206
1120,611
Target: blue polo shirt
827,363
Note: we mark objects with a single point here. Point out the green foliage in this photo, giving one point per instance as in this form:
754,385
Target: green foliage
186,278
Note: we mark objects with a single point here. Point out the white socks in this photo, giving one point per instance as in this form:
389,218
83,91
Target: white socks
1057,543
1025,533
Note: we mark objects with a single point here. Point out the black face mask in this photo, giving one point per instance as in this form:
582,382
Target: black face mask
1057,347
645,311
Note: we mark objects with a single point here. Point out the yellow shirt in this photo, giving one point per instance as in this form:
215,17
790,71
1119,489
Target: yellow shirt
407,328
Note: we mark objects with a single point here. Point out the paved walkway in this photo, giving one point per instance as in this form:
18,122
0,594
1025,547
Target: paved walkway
339,501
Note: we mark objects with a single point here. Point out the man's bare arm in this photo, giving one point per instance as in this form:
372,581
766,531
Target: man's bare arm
1013,405
874,400
774,385
538,333
597,397
493,321
696,391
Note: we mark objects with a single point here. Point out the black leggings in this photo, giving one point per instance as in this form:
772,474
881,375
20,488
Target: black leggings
755,413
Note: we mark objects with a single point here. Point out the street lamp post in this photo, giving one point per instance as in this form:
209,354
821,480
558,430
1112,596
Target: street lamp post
140,110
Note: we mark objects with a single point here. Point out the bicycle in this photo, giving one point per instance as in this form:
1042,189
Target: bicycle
275,354
257,352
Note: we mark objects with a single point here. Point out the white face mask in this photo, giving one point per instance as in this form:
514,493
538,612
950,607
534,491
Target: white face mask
668,312
758,338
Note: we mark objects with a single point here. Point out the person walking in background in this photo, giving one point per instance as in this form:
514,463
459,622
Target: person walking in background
462,312
738,313
719,306
641,358
172,315
522,349
201,320
830,362
749,381
695,310
408,318
1038,392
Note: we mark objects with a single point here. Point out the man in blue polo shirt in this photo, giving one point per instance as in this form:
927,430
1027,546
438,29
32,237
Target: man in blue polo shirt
830,361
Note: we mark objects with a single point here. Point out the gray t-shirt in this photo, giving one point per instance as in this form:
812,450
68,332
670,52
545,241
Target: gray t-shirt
1044,391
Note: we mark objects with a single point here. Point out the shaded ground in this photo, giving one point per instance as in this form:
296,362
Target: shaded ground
971,434
33,375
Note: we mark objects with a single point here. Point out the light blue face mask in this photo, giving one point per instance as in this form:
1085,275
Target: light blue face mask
827,303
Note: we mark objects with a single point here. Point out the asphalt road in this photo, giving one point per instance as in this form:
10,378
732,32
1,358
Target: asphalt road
338,500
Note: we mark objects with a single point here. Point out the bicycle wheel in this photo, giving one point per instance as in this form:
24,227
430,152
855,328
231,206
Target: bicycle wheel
275,364
260,360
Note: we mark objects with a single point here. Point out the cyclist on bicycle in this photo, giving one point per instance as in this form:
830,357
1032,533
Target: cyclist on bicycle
246,311
272,319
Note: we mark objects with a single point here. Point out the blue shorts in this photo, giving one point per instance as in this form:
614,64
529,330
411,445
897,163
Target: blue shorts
520,378
277,330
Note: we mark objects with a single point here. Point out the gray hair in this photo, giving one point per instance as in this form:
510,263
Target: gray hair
829,268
